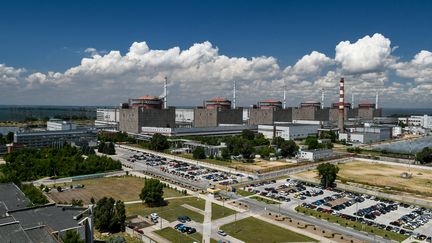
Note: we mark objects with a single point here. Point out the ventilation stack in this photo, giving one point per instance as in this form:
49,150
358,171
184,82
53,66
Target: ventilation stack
284,97
322,98
341,105
376,100
166,93
234,95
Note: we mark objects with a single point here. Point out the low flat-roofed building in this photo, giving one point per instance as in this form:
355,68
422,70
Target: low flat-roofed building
197,131
366,134
60,125
107,118
288,131
20,222
45,139
315,155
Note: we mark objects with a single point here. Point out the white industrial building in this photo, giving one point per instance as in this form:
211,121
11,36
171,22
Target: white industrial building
417,121
107,117
184,117
288,131
366,134
315,155
60,125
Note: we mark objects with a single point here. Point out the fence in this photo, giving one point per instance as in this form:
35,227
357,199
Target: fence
140,236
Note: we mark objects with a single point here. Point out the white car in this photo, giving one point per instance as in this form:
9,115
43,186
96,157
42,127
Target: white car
221,232
154,215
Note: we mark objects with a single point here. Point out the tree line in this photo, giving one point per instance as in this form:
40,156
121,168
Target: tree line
32,164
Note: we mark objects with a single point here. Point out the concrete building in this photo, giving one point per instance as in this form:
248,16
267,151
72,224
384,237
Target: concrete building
210,150
288,131
107,117
197,131
366,134
424,121
184,117
315,155
268,112
48,223
55,138
215,112
60,125
145,111
310,111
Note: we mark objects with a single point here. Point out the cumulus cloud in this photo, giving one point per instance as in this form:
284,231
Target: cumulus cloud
201,71
368,54
419,68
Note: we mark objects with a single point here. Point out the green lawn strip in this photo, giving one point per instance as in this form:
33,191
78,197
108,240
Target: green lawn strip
254,230
210,161
171,211
355,225
244,193
265,200
176,236
219,211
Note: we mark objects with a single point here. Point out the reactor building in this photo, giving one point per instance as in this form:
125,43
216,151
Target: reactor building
268,112
217,111
145,111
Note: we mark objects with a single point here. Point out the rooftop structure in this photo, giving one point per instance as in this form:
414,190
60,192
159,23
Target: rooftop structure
55,138
59,125
270,104
310,104
147,102
217,103
288,131
197,131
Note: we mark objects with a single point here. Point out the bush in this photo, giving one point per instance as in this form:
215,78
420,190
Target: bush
34,194
199,153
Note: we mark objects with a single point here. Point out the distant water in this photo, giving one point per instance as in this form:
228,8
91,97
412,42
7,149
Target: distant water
22,113
407,111
406,146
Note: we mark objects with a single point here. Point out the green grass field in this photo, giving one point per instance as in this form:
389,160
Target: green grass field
171,211
254,230
265,200
176,236
244,193
125,188
354,225
220,211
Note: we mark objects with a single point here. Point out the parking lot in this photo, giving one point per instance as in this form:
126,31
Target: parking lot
178,168
384,214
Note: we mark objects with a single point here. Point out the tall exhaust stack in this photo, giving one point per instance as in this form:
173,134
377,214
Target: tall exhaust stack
234,95
165,93
341,105
352,100
376,100
284,97
322,98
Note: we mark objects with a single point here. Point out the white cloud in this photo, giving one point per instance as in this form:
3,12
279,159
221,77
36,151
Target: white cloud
368,54
200,71
419,68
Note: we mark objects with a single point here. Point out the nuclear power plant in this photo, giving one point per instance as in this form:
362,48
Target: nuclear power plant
154,112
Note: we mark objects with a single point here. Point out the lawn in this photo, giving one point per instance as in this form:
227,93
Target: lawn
254,230
244,193
354,225
171,211
176,236
125,188
219,211
265,200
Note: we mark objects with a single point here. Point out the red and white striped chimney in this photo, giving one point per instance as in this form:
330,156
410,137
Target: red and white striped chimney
341,105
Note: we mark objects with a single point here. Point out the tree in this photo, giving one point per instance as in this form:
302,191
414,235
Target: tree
159,142
248,134
312,142
278,141
328,135
199,153
327,173
111,149
226,155
260,140
266,151
246,149
424,156
9,137
152,192
110,215
72,236
34,194
288,148
92,200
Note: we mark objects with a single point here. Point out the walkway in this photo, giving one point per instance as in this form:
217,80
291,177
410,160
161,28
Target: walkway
207,222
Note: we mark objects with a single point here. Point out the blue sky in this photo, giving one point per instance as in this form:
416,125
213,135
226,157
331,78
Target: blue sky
43,36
